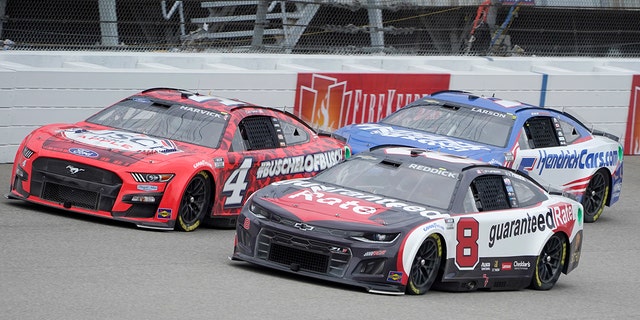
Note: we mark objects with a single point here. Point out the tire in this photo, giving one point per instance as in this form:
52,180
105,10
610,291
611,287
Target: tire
194,203
425,266
549,263
595,196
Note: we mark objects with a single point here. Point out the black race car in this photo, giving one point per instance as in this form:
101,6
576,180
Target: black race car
403,220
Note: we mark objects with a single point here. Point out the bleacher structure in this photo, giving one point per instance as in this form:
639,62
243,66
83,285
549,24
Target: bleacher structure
412,27
256,19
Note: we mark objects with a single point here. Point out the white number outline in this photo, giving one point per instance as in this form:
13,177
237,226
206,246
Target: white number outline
235,188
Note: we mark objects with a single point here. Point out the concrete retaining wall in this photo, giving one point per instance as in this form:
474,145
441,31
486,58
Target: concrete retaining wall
45,87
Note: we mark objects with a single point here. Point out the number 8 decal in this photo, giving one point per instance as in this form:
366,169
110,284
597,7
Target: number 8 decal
467,247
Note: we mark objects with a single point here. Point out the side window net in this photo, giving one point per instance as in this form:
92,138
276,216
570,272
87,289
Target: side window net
259,133
489,193
542,132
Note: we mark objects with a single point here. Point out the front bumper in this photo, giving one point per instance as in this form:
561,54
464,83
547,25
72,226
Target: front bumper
318,255
96,192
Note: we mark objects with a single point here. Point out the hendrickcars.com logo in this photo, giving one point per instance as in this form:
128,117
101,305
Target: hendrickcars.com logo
570,159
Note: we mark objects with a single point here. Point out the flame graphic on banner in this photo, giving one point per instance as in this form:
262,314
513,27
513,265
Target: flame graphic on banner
330,101
321,104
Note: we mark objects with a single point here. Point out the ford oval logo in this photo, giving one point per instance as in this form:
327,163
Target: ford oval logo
84,152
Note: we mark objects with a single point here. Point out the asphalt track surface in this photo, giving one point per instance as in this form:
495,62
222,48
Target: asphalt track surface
55,265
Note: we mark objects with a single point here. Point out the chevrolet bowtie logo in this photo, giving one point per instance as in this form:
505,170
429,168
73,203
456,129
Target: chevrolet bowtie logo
303,226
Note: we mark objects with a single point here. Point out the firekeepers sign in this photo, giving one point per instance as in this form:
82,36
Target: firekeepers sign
329,101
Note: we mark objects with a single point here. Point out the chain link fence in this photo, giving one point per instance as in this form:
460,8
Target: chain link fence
590,28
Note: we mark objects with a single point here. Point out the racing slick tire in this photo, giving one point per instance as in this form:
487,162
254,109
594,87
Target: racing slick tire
549,263
425,266
595,196
194,202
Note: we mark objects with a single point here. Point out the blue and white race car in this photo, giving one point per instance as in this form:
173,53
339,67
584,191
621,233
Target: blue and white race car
551,146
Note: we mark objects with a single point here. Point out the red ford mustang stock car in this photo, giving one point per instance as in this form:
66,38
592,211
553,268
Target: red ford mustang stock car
402,220
168,159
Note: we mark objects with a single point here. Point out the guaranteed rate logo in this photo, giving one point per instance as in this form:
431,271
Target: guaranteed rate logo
316,193
557,216
344,204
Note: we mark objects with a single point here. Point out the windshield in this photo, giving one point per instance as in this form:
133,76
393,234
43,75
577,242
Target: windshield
468,123
409,182
177,122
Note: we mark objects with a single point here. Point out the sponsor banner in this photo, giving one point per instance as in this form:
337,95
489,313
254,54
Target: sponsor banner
332,100
632,136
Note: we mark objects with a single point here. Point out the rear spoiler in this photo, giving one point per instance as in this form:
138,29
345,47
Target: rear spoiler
332,135
596,132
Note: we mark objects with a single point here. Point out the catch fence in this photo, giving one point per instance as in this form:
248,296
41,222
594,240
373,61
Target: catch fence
586,28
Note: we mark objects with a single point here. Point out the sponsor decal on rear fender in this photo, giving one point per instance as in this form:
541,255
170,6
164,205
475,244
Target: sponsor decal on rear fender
558,216
575,159
299,164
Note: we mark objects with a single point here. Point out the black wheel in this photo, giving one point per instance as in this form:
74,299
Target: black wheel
549,263
595,197
194,203
425,266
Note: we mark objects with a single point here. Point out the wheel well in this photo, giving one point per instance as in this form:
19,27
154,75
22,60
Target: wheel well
567,256
212,184
443,258
610,191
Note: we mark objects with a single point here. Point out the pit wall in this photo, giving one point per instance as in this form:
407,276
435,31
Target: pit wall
38,88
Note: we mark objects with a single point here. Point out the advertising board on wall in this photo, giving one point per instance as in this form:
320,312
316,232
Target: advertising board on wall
632,136
329,101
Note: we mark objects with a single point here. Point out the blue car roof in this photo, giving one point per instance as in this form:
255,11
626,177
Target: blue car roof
490,103
467,98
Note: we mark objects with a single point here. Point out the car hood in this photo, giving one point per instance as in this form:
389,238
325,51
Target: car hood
331,205
362,137
106,144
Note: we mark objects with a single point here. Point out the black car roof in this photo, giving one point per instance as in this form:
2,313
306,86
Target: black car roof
424,157
438,160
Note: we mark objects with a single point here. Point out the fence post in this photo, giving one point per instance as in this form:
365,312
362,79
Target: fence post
108,22
261,22
3,5
375,25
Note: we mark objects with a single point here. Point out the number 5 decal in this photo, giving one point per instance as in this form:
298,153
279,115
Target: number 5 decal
236,186
467,247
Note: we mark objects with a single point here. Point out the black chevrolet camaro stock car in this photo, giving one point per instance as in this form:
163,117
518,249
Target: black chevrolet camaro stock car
402,220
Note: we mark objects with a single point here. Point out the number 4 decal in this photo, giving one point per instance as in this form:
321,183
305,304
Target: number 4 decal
236,186
467,247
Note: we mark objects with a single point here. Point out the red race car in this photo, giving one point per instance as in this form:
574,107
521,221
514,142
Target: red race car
168,159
